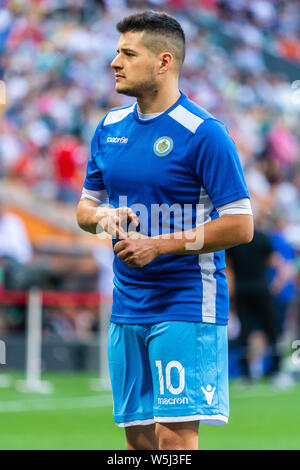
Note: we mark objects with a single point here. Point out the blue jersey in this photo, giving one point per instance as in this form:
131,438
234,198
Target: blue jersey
180,159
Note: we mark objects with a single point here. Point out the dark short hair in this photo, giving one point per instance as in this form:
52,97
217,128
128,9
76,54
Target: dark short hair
168,30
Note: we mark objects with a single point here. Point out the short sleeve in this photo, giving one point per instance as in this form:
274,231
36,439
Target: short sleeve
217,164
93,180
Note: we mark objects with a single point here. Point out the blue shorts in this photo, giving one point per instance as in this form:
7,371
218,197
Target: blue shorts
169,371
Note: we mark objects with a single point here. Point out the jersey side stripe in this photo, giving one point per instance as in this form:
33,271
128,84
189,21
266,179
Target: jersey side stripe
207,203
186,118
118,115
209,287
208,268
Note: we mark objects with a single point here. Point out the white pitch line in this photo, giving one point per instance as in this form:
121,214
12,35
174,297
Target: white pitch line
45,404
100,401
260,393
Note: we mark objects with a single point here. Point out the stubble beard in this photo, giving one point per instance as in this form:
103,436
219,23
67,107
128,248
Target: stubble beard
139,90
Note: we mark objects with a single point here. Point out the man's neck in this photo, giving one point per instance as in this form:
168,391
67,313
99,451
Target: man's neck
159,101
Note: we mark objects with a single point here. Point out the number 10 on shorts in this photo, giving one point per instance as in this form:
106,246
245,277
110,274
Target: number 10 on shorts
172,364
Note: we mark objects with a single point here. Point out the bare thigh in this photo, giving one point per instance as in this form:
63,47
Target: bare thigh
177,436
141,437
172,436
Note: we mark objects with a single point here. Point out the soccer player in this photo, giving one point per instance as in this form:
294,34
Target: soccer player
171,171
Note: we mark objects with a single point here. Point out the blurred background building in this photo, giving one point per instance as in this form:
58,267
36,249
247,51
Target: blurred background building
242,65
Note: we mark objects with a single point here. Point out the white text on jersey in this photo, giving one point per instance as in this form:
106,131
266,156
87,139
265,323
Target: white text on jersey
117,140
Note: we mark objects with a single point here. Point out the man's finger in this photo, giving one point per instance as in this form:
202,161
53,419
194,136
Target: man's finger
129,214
120,246
133,217
124,255
118,230
132,265
120,233
129,261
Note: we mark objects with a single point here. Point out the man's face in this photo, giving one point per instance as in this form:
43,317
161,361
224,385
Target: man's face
135,66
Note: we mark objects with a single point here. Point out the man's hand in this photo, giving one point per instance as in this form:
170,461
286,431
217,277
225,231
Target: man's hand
94,218
137,250
111,220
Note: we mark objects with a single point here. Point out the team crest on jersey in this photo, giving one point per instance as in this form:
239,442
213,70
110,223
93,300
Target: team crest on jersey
163,146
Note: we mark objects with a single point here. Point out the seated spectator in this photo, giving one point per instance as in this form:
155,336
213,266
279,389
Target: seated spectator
14,241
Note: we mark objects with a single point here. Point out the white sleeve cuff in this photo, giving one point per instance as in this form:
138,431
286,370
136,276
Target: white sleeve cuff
101,197
241,206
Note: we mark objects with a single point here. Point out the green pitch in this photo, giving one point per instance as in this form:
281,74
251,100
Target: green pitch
74,417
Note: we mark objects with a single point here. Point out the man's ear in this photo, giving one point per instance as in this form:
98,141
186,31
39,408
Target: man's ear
166,61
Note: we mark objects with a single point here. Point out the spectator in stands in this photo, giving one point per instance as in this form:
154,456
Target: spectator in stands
14,241
253,300
68,157
104,256
282,273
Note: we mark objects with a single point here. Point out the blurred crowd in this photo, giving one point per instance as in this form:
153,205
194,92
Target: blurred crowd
55,62
272,24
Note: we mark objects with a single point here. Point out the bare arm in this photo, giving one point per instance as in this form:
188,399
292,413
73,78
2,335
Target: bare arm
224,232
218,234
87,215
95,218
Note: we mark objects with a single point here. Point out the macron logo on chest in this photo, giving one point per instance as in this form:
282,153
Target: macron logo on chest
117,140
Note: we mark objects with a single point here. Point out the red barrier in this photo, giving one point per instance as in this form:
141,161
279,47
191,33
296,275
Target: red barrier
55,298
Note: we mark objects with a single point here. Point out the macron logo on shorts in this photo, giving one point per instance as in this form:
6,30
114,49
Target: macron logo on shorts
209,393
173,401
